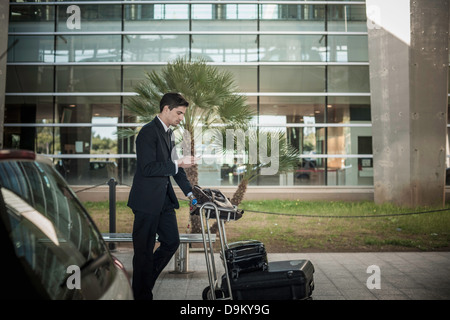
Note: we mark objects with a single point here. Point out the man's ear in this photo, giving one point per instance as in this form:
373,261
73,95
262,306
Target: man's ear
166,108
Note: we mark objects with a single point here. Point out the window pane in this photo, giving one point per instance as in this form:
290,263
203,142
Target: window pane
88,48
85,109
245,77
29,79
350,171
348,79
308,111
171,11
348,49
294,109
151,17
30,49
225,48
133,75
292,17
348,109
29,110
19,108
347,18
88,140
93,17
228,17
292,48
292,78
154,48
201,11
347,140
31,18
88,79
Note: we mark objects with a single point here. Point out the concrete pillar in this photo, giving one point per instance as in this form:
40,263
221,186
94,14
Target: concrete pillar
4,20
409,57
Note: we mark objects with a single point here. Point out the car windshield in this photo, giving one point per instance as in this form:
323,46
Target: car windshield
48,226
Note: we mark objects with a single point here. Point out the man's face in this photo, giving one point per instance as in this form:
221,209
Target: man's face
175,116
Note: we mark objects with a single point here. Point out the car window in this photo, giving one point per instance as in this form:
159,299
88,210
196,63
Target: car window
51,230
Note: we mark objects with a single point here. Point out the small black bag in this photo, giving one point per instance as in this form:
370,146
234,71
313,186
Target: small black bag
226,210
245,256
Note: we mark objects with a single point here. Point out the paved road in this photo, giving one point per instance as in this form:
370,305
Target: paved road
338,276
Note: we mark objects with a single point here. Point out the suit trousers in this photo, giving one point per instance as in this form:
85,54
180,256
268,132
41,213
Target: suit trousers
147,263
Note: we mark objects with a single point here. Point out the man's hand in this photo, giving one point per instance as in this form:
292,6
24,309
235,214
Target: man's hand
187,162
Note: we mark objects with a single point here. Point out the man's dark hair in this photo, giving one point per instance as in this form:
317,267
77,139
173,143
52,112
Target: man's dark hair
173,100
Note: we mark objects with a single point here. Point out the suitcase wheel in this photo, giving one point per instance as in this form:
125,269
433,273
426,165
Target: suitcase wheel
206,295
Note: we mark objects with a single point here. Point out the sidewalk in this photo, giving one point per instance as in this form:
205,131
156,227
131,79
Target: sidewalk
338,276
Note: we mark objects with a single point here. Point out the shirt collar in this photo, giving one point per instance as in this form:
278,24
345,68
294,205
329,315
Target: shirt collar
164,125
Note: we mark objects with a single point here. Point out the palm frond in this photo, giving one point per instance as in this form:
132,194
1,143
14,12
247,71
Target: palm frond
125,133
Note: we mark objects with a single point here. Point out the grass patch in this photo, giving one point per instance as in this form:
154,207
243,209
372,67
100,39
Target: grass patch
313,226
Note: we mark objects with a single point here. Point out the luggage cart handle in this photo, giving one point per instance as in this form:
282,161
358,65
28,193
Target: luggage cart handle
211,207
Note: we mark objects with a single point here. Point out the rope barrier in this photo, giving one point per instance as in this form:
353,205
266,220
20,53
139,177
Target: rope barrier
334,216
92,187
355,216
312,215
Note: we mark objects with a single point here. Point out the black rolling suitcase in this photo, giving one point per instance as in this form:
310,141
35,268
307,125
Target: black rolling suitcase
245,256
284,280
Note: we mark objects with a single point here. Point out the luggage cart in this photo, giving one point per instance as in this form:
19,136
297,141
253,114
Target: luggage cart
209,210
212,204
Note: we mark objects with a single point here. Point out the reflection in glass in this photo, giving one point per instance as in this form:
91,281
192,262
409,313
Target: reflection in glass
104,139
348,79
88,48
225,48
245,77
294,109
307,112
88,79
30,49
95,139
171,11
154,48
152,17
292,17
133,75
348,109
227,17
29,110
93,17
292,48
348,48
17,108
347,18
26,78
31,18
350,171
292,78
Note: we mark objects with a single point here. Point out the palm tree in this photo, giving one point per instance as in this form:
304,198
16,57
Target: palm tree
286,159
213,99
283,158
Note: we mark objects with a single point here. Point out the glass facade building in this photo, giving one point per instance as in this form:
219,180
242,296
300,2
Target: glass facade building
303,66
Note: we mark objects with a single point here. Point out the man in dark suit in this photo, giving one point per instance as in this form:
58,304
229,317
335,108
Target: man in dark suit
152,197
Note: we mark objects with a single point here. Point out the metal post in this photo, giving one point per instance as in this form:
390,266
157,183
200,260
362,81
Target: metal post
4,21
181,260
112,209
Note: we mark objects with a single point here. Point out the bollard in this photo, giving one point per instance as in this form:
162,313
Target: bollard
181,260
112,209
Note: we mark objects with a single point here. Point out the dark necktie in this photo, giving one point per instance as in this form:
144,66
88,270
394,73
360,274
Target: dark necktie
169,138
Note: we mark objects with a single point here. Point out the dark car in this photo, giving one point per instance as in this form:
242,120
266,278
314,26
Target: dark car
51,248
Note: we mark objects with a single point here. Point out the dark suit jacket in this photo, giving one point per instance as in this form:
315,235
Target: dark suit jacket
154,167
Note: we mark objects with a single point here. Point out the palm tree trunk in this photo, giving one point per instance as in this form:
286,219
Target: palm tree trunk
192,175
240,192
236,200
